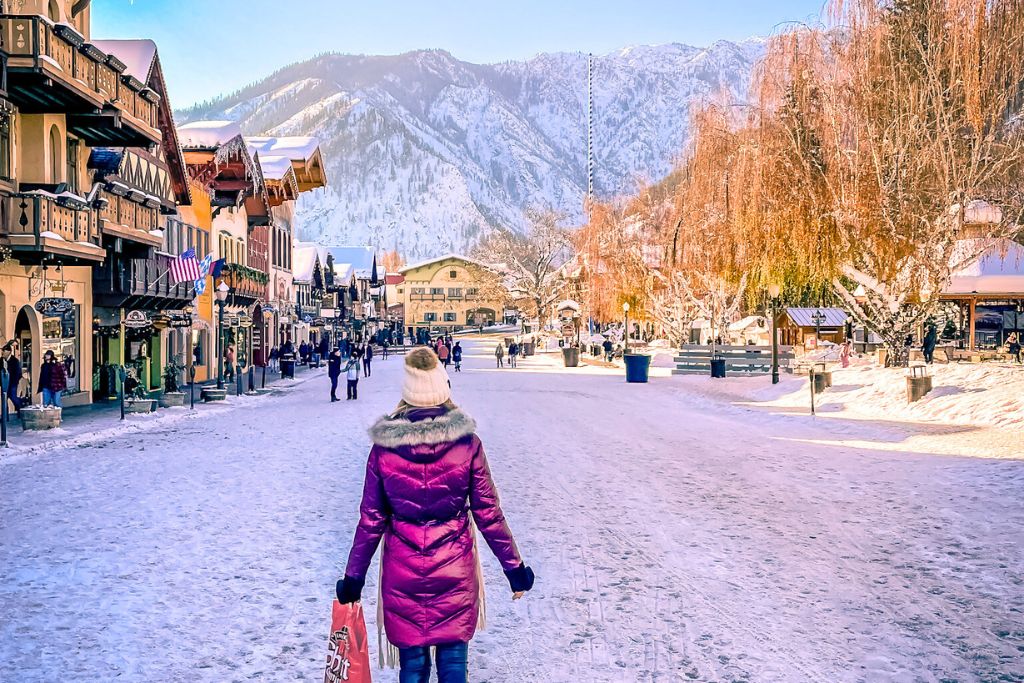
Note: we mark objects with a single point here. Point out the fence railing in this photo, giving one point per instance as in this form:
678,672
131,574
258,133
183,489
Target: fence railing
740,361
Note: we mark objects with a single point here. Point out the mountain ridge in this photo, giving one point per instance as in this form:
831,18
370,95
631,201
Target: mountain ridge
426,153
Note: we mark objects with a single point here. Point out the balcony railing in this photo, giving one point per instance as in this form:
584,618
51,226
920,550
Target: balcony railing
53,70
139,282
427,297
62,225
245,282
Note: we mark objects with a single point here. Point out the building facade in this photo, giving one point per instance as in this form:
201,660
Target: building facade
447,293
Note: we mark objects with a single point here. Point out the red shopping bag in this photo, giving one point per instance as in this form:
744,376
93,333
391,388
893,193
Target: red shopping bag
348,658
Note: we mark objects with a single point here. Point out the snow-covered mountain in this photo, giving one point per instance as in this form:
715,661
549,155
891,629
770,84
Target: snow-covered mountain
425,152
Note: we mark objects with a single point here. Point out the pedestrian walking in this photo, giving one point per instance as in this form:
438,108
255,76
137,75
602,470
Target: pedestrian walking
229,361
931,338
334,372
844,353
52,380
443,354
513,353
457,356
367,359
499,354
609,349
324,350
1014,346
352,378
384,349
431,586
273,356
13,365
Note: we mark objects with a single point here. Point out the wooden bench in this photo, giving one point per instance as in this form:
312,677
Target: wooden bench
740,361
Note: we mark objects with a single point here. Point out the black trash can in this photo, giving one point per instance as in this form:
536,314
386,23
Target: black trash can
718,366
638,367
529,348
571,356
288,366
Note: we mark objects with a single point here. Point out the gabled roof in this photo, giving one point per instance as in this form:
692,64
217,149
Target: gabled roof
304,258
302,151
208,134
439,259
136,55
142,61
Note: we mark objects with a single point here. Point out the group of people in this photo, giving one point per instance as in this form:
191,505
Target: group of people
515,350
449,352
53,376
349,358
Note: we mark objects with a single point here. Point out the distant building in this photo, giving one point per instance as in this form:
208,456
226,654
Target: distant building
448,293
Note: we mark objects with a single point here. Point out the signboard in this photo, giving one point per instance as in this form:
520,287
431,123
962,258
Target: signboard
568,330
55,307
233,321
257,337
245,322
181,321
327,312
136,320
318,322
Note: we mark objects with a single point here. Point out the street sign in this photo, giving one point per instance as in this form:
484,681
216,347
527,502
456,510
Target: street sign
54,307
568,330
137,320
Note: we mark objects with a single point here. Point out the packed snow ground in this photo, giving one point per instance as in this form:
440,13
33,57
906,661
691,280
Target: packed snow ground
676,536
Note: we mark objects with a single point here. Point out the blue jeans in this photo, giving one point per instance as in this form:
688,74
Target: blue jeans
51,398
452,664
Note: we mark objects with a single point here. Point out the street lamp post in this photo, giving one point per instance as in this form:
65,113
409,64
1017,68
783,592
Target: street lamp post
818,318
222,299
625,311
191,360
774,290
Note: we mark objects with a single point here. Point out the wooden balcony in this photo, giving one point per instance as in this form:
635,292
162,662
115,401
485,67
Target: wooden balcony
248,285
125,219
51,69
41,227
427,297
139,283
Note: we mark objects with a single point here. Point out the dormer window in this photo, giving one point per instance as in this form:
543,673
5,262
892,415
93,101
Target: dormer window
453,274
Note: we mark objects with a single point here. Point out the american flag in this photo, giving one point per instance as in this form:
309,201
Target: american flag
185,267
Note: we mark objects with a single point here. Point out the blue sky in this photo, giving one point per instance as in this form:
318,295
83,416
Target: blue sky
210,47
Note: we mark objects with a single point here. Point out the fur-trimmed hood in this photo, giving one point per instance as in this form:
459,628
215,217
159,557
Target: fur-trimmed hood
402,434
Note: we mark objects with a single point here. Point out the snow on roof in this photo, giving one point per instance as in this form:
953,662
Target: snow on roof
569,305
999,269
805,317
303,261
751,321
343,272
209,134
294,147
438,259
274,167
137,55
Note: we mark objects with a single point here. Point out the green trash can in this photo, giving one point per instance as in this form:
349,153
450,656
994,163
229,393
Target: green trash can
638,367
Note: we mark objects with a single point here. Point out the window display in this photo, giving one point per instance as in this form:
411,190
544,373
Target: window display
61,335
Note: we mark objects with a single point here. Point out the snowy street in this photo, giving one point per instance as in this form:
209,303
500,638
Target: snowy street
675,537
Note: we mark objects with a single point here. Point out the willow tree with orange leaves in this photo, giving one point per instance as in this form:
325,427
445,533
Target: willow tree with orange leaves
893,150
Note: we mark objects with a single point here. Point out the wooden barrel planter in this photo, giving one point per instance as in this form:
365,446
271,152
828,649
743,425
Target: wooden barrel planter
174,399
38,418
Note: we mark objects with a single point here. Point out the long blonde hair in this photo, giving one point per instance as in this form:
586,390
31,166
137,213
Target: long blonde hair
405,408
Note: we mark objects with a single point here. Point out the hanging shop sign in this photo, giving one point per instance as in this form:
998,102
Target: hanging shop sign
180,321
137,320
318,322
257,337
568,330
233,321
245,322
55,307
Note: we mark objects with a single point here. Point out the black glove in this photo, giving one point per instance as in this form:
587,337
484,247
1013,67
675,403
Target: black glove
350,590
520,578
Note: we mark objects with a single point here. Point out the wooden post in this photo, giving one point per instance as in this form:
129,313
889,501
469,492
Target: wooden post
971,314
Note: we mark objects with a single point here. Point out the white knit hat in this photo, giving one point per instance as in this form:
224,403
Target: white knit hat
426,382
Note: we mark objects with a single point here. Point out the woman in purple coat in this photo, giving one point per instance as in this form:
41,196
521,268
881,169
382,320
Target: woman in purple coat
428,488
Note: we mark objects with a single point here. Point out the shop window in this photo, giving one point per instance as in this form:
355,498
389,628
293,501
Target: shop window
437,290
449,317
60,335
5,147
430,317
455,292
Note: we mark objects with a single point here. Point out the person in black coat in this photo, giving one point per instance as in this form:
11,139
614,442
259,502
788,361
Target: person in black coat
13,366
931,338
334,372
367,359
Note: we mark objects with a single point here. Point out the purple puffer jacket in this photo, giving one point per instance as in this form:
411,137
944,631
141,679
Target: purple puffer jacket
426,473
